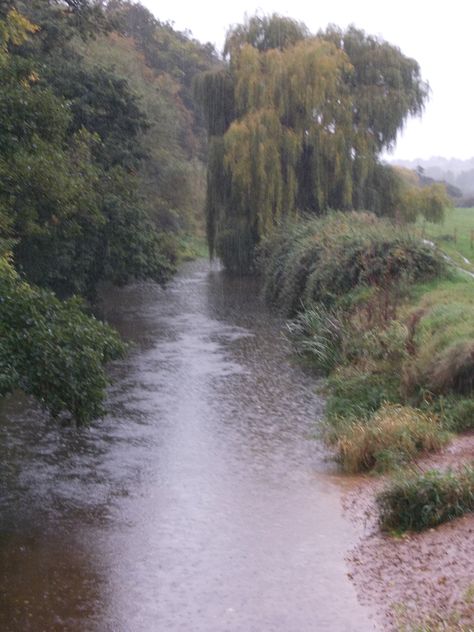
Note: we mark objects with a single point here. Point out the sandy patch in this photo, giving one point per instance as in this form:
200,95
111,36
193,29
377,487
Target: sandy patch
419,577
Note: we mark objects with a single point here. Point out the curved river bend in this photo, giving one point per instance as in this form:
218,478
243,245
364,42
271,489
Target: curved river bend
200,503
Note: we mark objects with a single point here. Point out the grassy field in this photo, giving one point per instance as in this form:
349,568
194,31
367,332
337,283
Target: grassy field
455,236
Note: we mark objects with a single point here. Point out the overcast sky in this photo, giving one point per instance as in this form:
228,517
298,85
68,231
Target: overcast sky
439,35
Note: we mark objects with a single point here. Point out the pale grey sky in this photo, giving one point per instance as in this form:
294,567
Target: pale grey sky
439,35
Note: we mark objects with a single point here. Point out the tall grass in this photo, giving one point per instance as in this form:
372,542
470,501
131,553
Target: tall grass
391,437
319,333
443,341
357,394
426,500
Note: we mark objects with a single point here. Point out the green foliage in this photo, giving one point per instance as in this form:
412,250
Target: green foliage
52,349
379,190
99,155
391,437
130,246
357,394
104,104
62,20
322,260
319,334
302,121
398,193
426,500
171,54
442,359
458,413
215,92
170,175
100,176
51,197
265,33
47,194
348,278
430,202
386,85
14,28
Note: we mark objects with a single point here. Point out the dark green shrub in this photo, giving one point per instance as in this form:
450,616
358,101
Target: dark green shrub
460,415
53,350
358,394
422,501
300,262
378,257
455,412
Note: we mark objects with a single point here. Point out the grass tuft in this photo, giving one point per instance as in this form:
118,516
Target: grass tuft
418,502
318,333
391,437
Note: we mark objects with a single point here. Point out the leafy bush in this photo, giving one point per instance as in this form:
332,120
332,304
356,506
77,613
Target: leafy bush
423,501
430,201
321,260
101,156
52,349
393,435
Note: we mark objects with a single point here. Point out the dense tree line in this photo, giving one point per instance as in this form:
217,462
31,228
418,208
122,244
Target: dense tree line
100,158
296,124
102,151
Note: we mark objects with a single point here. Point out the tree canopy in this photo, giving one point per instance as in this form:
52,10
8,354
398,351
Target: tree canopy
100,167
296,123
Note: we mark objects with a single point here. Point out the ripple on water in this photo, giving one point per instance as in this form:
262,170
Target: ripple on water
199,503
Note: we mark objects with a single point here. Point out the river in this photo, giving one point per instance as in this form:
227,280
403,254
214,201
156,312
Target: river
200,503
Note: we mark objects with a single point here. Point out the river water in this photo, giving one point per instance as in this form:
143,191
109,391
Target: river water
201,503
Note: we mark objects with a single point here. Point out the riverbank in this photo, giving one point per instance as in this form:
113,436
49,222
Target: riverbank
391,324
419,581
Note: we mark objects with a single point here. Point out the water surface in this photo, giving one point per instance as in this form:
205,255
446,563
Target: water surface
201,503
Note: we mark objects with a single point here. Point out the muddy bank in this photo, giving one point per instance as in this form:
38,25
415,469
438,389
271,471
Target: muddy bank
420,578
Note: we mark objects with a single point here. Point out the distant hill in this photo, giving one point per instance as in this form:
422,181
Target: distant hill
459,173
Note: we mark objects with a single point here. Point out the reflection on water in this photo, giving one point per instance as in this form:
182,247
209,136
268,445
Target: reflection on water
199,504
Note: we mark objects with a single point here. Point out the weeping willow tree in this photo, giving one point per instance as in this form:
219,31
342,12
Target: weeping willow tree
296,123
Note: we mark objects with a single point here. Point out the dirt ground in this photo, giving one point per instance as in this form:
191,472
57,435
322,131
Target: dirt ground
421,581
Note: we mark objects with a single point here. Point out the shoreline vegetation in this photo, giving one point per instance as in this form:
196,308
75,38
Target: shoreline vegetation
103,173
102,181
296,126
390,323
